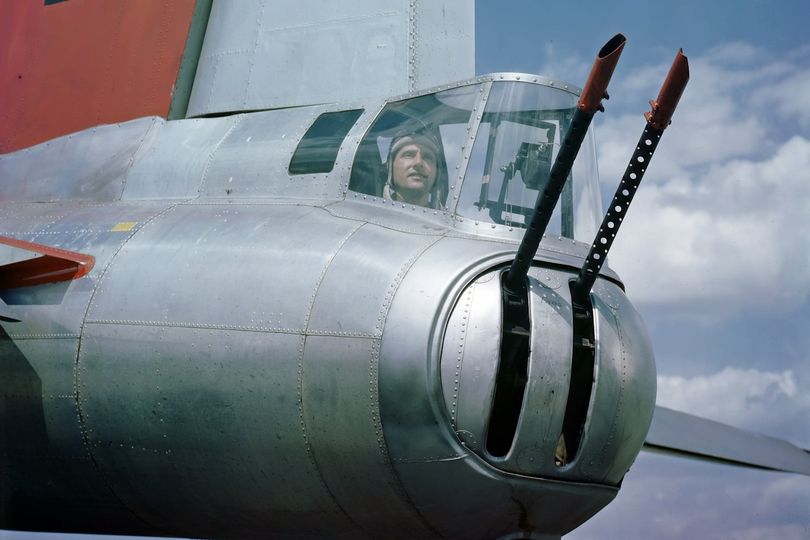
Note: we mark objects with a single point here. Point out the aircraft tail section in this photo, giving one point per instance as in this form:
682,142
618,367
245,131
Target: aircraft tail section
265,54
70,65
54,265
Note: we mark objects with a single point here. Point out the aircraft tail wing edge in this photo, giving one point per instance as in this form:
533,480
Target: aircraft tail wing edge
53,266
681,434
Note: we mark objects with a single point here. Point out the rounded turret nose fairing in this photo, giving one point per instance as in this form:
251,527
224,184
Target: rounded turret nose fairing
619,406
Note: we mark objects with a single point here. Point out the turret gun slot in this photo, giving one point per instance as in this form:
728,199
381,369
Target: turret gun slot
581,382
510,382
584,350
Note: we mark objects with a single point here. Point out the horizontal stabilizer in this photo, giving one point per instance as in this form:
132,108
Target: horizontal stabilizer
54,266
677,433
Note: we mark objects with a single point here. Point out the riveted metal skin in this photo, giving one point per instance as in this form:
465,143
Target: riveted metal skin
620,410
551,343
261,354
468,368
258,55
48,475
442,474
623,398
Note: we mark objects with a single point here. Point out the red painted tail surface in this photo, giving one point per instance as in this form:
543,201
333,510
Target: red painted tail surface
69,65
54,266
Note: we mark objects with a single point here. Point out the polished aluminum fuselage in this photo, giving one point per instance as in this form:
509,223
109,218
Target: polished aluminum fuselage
257,354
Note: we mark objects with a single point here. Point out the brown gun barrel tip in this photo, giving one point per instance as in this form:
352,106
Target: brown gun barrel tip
660,116
595,87
682,60
613,44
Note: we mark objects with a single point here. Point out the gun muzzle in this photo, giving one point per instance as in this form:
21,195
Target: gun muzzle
596,85
587,106
657,120
662,108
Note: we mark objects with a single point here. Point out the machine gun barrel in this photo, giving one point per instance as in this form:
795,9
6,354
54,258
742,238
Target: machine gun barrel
589,103
657,121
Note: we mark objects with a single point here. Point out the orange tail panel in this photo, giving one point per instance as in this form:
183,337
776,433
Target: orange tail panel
69,65
54,266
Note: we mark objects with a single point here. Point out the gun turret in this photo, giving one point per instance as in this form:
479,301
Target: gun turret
512,372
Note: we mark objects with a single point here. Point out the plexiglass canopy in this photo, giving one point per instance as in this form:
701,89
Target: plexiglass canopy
496,139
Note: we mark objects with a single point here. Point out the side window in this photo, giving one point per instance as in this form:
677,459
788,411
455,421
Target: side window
318,149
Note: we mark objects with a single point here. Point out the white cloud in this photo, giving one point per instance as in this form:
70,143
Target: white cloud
735,52
734,239
718,230
786,97
718,225
751,399
733,107
563,67
671,499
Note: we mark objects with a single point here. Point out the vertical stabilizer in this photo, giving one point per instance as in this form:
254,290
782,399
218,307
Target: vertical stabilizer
261,54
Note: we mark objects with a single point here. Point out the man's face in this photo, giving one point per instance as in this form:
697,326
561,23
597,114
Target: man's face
414,172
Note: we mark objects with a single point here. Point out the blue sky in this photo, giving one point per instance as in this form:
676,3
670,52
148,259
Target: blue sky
715,251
